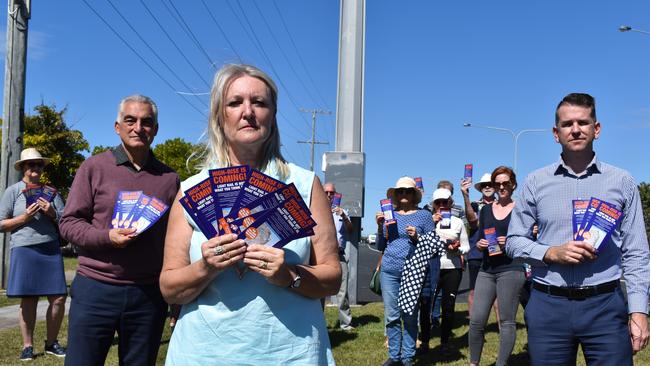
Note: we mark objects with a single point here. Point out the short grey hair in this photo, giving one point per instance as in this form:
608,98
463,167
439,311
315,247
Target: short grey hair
137,98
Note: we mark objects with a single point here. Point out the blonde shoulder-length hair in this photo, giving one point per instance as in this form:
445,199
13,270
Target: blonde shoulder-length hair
216,148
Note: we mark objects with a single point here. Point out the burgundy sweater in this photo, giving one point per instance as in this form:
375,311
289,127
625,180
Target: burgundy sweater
86,219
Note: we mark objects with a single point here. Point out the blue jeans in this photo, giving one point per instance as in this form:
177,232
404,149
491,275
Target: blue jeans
98,310
556,325
401,344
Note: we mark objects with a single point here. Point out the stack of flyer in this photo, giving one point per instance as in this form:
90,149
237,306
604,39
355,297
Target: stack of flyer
249,203
35,191
594,221
136,210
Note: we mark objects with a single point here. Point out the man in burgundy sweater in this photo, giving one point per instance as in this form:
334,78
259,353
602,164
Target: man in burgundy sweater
116,287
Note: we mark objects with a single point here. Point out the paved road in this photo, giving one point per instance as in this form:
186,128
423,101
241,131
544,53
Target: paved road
368,260
9,314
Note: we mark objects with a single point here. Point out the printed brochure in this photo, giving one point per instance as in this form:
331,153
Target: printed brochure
468,171
336,200
256,186
599,227
387,210
445,222
579,210
124,203
149,215
493,242
280,225
418,183
203,207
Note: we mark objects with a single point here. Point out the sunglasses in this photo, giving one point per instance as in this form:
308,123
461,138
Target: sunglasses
485,185
404,190
441,202
329,193
506,184
34,164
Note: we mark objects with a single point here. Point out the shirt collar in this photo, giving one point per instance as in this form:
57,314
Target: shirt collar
121,158
592,168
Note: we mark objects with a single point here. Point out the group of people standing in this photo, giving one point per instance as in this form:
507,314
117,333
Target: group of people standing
570,292
239,304
253,304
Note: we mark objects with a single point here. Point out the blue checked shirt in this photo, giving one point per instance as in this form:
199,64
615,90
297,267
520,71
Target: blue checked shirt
546,199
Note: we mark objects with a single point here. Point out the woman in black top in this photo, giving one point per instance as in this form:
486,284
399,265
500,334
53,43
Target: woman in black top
500,277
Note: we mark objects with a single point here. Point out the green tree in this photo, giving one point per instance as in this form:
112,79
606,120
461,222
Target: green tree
53,138
100,149
644,190
180,155
175,153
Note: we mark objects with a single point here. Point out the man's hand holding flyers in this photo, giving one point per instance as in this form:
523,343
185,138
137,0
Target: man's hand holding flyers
120,238
571,252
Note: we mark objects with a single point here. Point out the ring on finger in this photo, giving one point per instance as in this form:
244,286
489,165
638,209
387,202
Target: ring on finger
263,264
218,250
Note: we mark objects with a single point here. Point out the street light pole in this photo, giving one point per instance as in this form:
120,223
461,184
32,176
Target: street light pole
515,136
627,28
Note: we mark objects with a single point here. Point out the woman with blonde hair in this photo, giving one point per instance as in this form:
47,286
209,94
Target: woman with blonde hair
249,304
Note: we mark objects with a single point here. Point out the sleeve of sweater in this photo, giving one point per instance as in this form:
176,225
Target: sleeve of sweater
76,223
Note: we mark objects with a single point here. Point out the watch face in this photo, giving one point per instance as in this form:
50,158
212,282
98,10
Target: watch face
296,282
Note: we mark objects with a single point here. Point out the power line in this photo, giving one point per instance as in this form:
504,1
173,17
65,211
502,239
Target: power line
313,141
214,19
179,19
140,56
302,62
286,58
260,48
154,51
169,37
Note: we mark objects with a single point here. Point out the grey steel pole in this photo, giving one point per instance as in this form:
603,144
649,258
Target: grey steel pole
349,107
13,105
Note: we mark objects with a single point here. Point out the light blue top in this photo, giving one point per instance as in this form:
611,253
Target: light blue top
249,321
546,199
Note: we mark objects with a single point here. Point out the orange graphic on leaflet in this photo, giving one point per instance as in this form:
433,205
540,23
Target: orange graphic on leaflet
251,233
244,212
248,221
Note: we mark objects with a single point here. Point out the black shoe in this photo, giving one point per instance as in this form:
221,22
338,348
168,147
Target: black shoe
423,350
55,349
27,354
391,362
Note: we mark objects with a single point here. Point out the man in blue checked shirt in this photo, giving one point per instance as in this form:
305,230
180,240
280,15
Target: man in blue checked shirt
576,297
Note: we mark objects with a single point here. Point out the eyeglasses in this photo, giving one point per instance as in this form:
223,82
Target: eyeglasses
330,193
404,190
441,202
506,184
34,164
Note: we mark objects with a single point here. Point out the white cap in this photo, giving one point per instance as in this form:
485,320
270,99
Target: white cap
441,194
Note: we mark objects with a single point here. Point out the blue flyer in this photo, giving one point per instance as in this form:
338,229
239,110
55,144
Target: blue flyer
149,215
600,226
202,203
124,203
445,222
579,210
493,242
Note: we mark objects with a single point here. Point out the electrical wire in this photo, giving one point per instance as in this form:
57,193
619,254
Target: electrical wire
154,52
188,31
169,37
214,19
140,56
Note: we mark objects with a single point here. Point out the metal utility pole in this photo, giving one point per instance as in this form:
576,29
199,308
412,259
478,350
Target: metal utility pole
313,141
13,125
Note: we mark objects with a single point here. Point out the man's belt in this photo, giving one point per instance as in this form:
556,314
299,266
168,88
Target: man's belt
577,292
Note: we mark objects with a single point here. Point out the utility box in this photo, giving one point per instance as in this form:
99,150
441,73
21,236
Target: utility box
347,171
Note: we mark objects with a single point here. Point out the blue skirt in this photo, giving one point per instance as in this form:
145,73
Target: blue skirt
36,270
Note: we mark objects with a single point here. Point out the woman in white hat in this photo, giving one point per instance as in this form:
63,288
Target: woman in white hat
396,242
31,214
451,267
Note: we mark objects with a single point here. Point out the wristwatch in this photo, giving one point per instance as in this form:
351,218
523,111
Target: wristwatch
295,282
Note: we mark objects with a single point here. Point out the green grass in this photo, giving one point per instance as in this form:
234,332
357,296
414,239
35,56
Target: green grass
70,263
364,346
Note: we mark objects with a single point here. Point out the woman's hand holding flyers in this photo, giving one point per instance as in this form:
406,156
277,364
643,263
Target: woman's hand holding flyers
269,262
223,251
502,241
412,232
379,217
482,244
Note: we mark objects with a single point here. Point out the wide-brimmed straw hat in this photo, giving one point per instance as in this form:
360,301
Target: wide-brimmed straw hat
485,178
30,154
405,182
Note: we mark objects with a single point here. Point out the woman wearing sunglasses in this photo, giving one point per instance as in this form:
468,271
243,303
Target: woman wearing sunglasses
398,242
451,266
36,264
500,276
